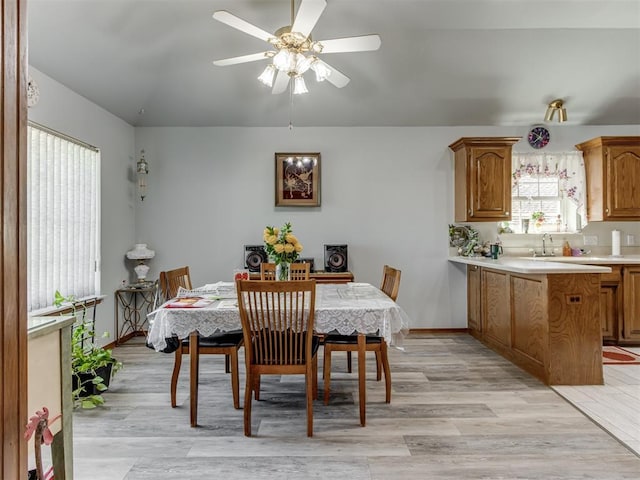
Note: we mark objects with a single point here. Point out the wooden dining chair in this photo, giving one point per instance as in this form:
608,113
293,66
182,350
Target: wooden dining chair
299,271
226,343
371,343
267,271
277,322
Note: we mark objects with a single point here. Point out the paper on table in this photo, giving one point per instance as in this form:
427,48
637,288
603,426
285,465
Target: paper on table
228,304
189,302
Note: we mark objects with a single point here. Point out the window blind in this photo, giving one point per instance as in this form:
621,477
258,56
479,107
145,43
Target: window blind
63,241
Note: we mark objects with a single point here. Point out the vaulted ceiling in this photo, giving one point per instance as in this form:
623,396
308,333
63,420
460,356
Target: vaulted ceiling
441,63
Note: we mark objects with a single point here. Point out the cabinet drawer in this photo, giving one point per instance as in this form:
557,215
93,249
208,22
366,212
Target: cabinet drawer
614,277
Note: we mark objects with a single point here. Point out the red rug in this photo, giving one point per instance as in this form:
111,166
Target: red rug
619,356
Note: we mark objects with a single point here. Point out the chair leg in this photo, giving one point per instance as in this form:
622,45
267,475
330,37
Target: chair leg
378,366
235,382
174,376
326,371
348,362
311,372
387,371
227,367
362,378
256,387
315,377
247,404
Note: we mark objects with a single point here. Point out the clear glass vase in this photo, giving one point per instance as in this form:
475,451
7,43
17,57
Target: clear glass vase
283,271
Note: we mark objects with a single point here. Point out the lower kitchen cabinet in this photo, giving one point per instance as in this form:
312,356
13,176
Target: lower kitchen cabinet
547,324
629,329
620,305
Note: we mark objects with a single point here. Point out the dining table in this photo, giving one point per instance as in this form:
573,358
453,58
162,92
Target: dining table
349,308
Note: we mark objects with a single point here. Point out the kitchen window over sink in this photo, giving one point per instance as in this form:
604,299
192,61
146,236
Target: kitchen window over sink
548,192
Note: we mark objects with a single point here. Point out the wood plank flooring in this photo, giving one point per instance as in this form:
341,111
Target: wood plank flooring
615,406
458,411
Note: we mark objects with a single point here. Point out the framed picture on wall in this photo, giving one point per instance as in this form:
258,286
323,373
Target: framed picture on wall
297,179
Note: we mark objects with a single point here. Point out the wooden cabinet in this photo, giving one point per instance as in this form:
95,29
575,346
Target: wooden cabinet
547,324
611,303
630,327
612,166
620,305
483,178
473,299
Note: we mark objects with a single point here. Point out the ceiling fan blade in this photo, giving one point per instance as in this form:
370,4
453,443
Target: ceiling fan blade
242,25
243,59
362,43
281,83
308,14
337,78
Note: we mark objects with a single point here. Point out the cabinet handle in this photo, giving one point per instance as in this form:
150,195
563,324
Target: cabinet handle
506,213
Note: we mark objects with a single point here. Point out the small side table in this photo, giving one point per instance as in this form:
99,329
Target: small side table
132,304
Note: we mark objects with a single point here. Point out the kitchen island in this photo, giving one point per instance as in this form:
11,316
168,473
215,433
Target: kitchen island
542,316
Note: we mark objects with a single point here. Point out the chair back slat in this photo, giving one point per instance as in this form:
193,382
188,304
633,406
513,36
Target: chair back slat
267,271
391,282
300,270
172,280
276,319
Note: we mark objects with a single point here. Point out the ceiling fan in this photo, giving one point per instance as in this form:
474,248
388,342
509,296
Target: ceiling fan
293,51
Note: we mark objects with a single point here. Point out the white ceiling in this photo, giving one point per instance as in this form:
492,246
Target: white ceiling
442,62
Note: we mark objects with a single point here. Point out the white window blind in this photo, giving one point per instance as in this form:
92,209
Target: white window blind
63,241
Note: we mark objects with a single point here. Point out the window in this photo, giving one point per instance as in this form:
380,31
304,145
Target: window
547,192
63,241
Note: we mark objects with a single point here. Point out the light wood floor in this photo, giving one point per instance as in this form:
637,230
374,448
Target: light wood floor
458,411
615,406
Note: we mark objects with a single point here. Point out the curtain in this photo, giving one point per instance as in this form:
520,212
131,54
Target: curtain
568,167
62,217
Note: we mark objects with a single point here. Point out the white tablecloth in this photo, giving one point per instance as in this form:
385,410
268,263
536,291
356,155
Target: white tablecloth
342,308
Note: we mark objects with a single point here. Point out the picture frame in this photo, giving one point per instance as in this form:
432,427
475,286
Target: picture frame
297,179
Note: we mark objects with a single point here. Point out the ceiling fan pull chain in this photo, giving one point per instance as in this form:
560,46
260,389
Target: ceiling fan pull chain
290,102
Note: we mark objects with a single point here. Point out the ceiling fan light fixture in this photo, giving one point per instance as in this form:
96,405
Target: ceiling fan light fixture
299,87
321,70
282,60
303,63
266,77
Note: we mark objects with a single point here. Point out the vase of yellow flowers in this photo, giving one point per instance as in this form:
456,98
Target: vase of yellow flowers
282,247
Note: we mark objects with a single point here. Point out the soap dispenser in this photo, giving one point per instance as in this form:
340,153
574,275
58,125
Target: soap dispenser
566,249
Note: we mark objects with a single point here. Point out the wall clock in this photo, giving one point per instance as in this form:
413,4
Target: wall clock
538,137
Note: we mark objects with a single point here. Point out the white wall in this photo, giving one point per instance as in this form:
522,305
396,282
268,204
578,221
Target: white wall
386,192
67,112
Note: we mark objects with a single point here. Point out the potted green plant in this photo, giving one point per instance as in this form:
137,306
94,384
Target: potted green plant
91,366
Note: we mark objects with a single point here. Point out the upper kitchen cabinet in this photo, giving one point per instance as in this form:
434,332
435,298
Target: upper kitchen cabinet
612,167
483,178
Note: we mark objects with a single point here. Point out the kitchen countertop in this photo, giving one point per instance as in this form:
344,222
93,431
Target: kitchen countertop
536,265
591,259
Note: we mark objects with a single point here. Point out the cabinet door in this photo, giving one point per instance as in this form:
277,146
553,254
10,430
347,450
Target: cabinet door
630,328
611,306
623,182
490,183
609,312
496,307
473,298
